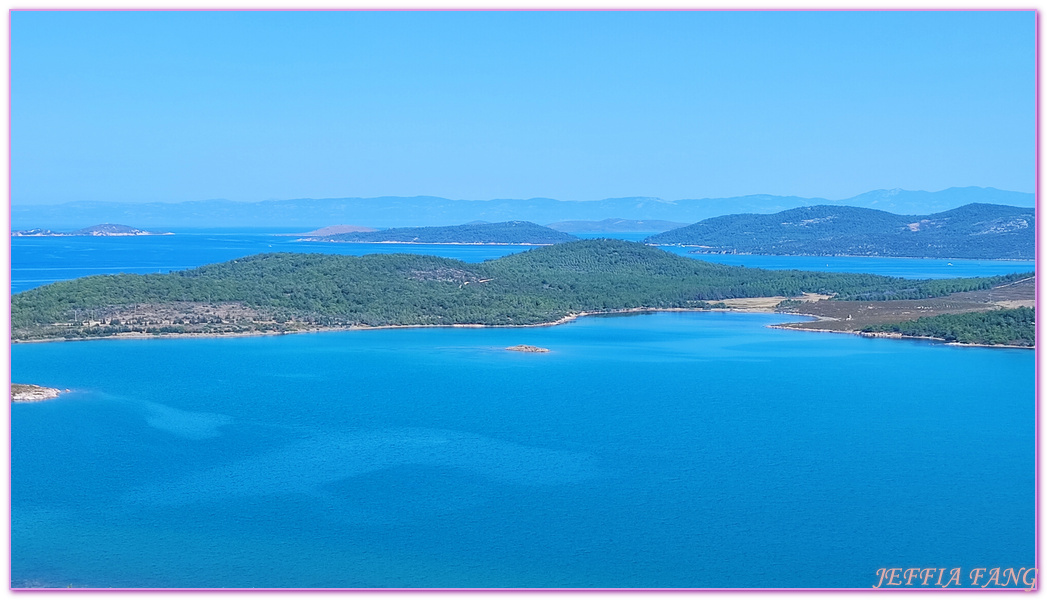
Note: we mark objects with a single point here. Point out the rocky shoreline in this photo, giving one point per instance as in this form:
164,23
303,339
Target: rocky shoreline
24,392
743,305
890,334
526,348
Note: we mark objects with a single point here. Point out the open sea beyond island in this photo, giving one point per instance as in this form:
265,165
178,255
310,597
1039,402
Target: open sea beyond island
653,450
37,261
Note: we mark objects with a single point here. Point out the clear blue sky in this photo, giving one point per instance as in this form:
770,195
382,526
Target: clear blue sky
173,106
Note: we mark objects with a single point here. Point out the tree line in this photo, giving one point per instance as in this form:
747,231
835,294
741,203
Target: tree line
537,286
1013,327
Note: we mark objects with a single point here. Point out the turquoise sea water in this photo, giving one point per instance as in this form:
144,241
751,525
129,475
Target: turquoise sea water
658,450
39,261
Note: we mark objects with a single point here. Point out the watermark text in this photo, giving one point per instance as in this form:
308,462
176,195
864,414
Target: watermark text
985,577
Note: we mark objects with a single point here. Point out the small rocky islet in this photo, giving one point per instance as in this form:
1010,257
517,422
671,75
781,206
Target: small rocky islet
526,348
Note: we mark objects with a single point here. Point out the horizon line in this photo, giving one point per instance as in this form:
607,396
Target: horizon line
12,204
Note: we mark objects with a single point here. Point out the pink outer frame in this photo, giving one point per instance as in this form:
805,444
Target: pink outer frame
552,590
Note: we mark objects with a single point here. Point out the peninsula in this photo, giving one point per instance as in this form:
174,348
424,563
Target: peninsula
286,292
510,232
1001,315
1014,327
980,231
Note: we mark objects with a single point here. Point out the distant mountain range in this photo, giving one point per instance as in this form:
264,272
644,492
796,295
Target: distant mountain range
511,232
333,230
433,211
972,231
614,226
104,230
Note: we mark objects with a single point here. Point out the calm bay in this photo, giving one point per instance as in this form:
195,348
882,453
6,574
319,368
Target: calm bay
658,450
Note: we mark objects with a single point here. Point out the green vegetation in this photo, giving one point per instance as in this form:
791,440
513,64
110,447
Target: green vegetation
973,231
510,232
1013,327
929,288
284,292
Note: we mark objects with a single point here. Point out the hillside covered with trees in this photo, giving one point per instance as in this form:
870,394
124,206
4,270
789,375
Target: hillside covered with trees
987,231
1012,327
288,292
509,232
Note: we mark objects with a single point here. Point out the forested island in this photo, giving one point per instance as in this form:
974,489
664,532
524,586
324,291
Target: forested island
1010,327
290,292
103,230
985,231
509,232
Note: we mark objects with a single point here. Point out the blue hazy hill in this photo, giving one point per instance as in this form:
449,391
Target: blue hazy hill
510,232
419,211
971,231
